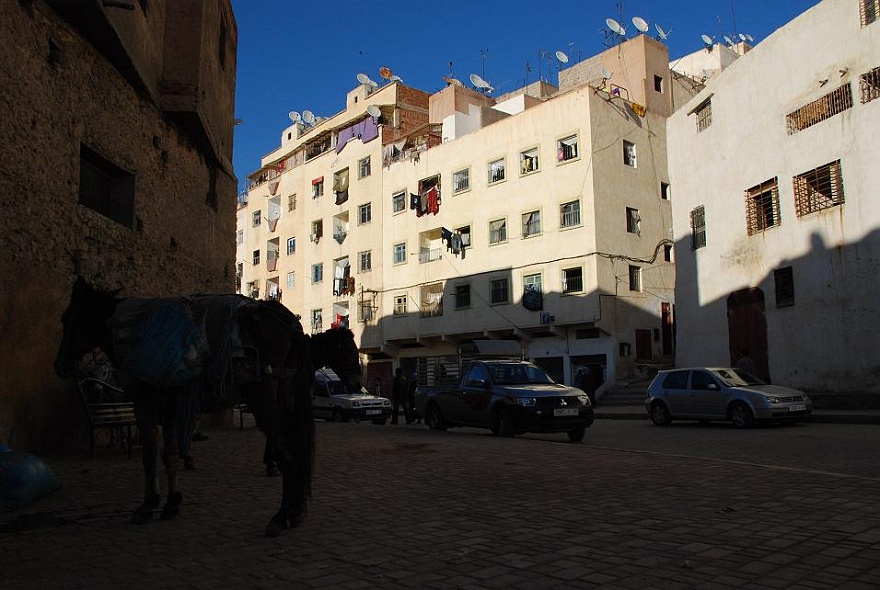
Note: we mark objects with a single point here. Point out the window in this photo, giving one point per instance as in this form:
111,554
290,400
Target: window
400,253
496,171
834,102
317,230
364,167
528,161
869,85
398,202
431,300
635,278
531,223
462,296
572,280
291,246
704,115
256,257
499,291
318,187
317,317
240,236
365,261
291,280
399,304
818,189
340,186
868,11
365,213
497,231
665,191
676,380
533,282
667,252
532,297
105,187
570,214
461,180
698,227
784,279
658,84
629,153
567,148
762,206
256,219
291,202
633,221
317,272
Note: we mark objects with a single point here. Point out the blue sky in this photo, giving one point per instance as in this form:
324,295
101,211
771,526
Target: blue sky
307,54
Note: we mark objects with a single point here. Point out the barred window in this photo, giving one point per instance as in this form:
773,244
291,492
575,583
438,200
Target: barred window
496,171
784,279
497,231
462,296
291,202
831,104
704,115
868,11
461,180
500,291
317,321
869,85
818,189
572,280
762,206
531,223
698,227
635,278
570,214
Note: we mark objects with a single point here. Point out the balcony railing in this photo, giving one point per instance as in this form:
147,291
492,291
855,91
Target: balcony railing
430,254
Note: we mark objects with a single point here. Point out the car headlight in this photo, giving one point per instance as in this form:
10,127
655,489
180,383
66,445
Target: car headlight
585,400
528,402
386,402
772,399
355,404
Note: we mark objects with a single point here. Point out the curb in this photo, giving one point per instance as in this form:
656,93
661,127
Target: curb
871,417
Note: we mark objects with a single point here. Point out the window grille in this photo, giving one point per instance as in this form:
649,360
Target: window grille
635,278
570,214
869,85
831,104
818,189
497,231
704,115
762,206
291,202
461,180
500,292
317,321
784,279
496,171
572,280
531,223
462,296
698,227
868,11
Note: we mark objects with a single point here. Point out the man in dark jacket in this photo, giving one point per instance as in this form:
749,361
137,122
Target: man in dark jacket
398,396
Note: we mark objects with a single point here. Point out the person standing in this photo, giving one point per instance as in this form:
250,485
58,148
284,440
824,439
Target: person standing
399,390
411,398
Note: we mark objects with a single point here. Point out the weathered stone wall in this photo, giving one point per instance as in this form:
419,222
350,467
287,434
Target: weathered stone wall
56,93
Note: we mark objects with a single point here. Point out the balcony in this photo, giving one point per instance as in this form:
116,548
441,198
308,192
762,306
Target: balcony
430,254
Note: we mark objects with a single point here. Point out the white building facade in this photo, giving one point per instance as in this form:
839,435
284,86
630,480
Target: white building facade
777,222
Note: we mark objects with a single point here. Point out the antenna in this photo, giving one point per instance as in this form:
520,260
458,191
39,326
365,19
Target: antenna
374,111
640,24
661,34
615,27
308,117
562,57
363,78
295,117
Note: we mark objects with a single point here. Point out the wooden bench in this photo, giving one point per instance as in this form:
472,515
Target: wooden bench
107,406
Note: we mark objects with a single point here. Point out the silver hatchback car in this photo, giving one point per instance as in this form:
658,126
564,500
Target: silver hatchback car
706,393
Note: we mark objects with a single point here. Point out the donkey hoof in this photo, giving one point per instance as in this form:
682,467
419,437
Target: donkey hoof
144,512
172,506
274,528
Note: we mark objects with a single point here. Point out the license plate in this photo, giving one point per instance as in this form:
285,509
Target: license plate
373,412
797,407
565,412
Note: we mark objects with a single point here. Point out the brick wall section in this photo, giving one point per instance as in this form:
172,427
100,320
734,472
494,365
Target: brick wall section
46,237
413,114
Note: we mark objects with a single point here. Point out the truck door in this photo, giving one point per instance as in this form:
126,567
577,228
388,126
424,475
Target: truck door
476,395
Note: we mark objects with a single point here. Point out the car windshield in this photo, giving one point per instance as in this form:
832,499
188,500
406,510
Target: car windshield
737,377
518,375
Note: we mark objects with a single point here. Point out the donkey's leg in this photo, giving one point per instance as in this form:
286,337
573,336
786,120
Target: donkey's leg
150,439
170,453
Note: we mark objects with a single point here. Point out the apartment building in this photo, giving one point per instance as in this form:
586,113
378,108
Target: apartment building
535,224
777,227
117,166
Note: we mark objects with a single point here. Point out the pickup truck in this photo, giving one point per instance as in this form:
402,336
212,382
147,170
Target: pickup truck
331,401
509,398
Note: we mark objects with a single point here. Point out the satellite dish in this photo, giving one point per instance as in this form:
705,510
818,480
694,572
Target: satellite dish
452,81
396,78
640,23
749,38
308,117
660,32
742,37
363,78
295,117
478,82
374,111
560,55
606,73
615,26
385,72
728,40
707,39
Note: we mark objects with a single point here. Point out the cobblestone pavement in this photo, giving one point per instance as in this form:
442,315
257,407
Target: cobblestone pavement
403,507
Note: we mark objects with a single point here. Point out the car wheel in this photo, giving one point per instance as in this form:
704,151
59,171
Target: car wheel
339,415
577,434
433,418
504,423
741,416
380,421
660,414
